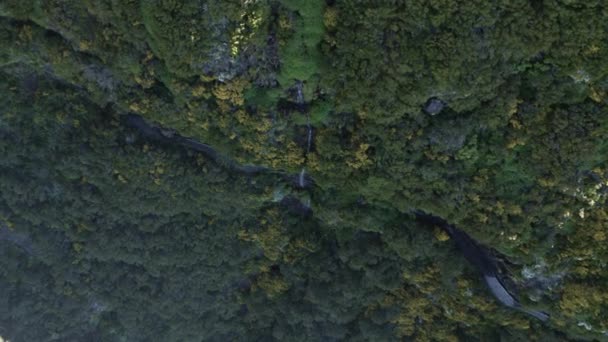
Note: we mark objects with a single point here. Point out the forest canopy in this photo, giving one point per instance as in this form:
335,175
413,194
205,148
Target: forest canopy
251,170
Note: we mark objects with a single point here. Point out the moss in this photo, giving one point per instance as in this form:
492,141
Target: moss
300,56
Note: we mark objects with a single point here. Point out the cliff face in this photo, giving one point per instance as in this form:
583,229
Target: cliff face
276,151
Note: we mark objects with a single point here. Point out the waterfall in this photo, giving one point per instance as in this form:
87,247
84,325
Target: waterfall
309,137
307,204
300,101
299,98
301,178
299,92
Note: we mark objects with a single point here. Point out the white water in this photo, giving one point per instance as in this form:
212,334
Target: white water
299,94
300,99
309,137
301,178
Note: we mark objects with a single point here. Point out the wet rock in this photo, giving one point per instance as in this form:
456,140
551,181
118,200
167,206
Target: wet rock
30,84
434,106
100,75
287,107
295,206
299,93
482,258
304,137
539,281
302,180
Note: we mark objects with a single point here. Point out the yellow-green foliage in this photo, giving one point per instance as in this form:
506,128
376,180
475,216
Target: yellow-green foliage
271,237
516,158
361,158
230,92
586,249
272,285
581,299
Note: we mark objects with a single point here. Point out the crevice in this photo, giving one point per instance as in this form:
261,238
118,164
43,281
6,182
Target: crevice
482,259
170,137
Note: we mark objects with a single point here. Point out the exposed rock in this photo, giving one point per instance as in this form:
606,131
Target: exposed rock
538,281
434,106
100,75
302,180
295,206
482,258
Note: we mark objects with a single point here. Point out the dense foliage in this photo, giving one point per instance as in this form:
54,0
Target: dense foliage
492,115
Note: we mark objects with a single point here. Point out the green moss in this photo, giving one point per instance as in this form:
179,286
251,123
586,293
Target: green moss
320,111
266,98
301,56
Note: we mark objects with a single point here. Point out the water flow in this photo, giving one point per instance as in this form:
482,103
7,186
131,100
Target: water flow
309,137
299,92
300,100
301,178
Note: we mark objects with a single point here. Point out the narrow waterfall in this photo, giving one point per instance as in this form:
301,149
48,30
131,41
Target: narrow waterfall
299,99
309,136
299,92
301,182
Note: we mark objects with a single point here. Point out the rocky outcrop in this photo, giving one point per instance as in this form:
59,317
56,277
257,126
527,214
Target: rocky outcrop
480,257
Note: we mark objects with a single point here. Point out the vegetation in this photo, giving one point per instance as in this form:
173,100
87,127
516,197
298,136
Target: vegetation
108,235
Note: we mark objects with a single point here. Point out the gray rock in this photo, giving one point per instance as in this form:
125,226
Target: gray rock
100,75
434,106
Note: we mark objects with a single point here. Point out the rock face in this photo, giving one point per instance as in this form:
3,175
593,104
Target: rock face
296,206
434,106
480,257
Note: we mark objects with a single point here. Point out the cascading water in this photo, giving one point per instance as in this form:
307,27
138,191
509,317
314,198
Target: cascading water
301,179
309,134
300,100
299,92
